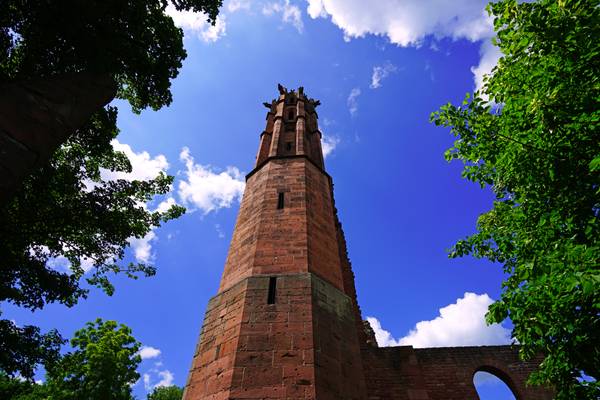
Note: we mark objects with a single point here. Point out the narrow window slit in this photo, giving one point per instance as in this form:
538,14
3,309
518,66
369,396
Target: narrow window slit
272,290
217,351
288,146
280,200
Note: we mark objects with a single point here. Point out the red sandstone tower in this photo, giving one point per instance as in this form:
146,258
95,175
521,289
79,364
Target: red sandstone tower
285,323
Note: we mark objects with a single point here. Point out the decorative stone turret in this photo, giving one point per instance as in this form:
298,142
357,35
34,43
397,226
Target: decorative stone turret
292,128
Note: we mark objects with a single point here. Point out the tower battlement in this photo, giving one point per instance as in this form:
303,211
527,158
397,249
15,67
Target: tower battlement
292,128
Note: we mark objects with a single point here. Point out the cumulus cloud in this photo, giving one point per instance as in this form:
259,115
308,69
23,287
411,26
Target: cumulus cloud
147,352
384,338
142,247
490,55
143,166
61,263
236,5
155,378
381,72
458,324
409,22
406,22
207,190
328,144
197,23
353,101
156,375
290,13
166,204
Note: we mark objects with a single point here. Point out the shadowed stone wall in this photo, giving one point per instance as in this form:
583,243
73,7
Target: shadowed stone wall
38,115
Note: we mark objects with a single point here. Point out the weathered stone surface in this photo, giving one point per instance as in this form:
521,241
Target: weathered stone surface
38,115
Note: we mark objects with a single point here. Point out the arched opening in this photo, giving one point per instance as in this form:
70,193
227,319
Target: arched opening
490,386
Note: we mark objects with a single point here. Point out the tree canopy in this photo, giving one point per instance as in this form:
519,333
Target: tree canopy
66,210
134,41
166,393
531,135
101,365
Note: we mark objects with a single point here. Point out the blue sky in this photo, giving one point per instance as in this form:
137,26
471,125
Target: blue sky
379,69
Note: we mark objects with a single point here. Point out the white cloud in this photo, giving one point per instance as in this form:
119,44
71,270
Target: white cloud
316,9
142,248
206,189
87,263
380,73
166,204
236,5
290,13
328,144
62,264
147,384
490,55
165,378
197,23
147,352
409,22
156,376
459,324
406,22
384,338
143,166
353,101
219,230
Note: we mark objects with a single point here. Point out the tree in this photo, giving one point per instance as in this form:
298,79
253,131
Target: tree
166,393
102,365
20,389
531,134
65,209
133,41
25,347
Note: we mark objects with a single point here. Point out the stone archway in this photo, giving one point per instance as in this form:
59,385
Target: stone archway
502,378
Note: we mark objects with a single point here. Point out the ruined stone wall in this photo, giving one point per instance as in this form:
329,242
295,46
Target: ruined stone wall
448,371
445,373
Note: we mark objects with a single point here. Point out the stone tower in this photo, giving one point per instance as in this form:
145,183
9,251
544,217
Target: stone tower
285,323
